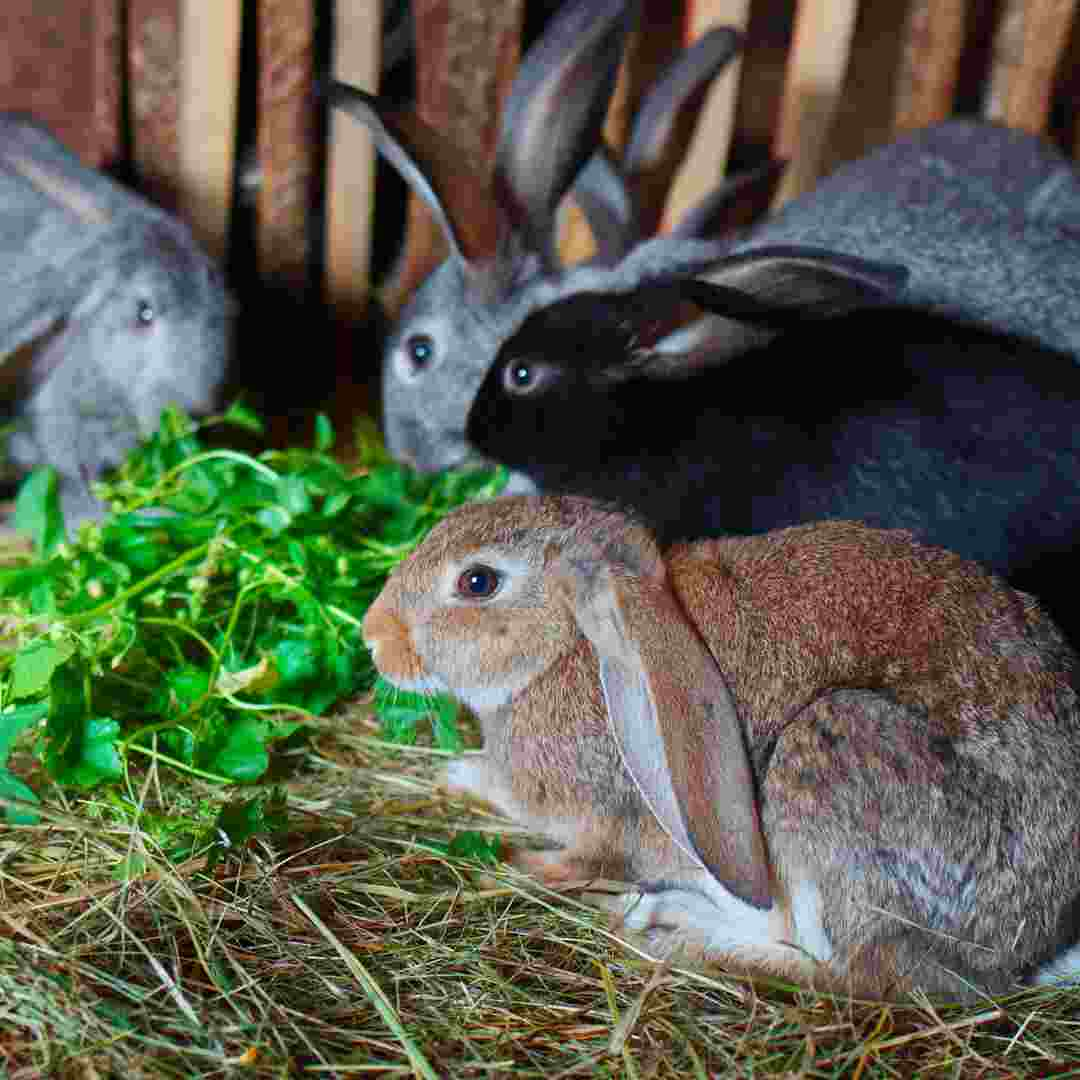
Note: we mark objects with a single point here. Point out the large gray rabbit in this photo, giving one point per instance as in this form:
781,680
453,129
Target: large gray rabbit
829,752
501,233
110,312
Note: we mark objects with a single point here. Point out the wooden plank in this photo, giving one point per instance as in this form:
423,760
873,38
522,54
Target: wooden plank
930,62
815,79
57,57
153,38
286,146
350,194
209,69
706,160
1046,25
466,55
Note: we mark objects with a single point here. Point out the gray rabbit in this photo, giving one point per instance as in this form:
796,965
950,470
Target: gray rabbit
502,263
111,312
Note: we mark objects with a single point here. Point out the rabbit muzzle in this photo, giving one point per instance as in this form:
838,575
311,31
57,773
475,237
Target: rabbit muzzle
390,642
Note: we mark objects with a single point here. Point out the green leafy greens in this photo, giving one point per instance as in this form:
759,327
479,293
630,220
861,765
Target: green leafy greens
215,608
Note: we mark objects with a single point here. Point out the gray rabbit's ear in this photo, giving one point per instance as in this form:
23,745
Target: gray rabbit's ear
671,713
613,197
554,116
603,195
739,201
475,227
751,297
64,191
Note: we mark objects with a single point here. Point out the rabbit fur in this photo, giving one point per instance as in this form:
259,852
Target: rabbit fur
501,234
111,313
967,437
829,753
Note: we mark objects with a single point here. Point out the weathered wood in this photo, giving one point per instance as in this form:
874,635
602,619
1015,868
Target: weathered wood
209,64
929,62
466,55
153,40
815,79
286,148
706,159
59,63
350,186
1046,25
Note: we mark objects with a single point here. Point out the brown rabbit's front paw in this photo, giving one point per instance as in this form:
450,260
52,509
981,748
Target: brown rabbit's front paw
553,868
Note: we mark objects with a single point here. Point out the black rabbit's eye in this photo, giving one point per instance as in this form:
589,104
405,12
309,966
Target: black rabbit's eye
145,313
478,583
420,350
524,376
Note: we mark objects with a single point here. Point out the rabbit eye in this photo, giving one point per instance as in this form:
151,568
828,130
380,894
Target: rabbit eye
523,377
145,313
420,350
478,583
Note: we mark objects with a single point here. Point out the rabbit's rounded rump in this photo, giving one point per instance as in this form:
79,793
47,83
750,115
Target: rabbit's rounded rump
829,751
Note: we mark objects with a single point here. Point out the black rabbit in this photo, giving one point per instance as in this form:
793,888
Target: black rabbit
801,392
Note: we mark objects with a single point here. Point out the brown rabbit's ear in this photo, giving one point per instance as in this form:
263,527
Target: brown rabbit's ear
554,116
674,719
474,225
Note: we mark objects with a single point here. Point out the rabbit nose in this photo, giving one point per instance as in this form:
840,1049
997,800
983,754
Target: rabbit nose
389,642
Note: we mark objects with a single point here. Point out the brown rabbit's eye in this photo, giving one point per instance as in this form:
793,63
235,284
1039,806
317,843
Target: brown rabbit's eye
478,583
420,350
144,313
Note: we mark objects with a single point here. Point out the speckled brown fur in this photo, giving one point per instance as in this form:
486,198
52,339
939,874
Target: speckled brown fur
911,723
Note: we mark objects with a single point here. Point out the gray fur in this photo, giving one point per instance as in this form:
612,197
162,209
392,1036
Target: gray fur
117,312
986,220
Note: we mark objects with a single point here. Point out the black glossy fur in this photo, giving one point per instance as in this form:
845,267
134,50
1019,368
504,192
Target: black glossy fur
890,416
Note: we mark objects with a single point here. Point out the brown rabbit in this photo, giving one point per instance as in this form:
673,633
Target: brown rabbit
828,752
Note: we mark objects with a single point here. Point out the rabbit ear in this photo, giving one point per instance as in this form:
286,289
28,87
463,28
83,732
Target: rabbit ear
553,119
753,296
673,717
474,225
62,190
603,196
739,201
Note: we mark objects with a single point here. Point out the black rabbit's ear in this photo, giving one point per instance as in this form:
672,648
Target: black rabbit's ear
809,282
474,225
670,711
750,298
555,113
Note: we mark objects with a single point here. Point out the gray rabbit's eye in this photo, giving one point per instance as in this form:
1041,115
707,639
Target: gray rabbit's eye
478,583
420,349
145,313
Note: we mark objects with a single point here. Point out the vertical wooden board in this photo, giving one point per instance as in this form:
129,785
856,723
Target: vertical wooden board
153,42
55,63
350,185
815,79
1029,92
934,34
209,69
286,148
466,56
706,160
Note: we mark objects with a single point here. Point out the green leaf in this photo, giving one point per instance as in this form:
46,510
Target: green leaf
324,433
444,725
88,754
37,511
241,820
11,787
16,719
472,845
239,415
297,661
34,666
242,754
294,496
